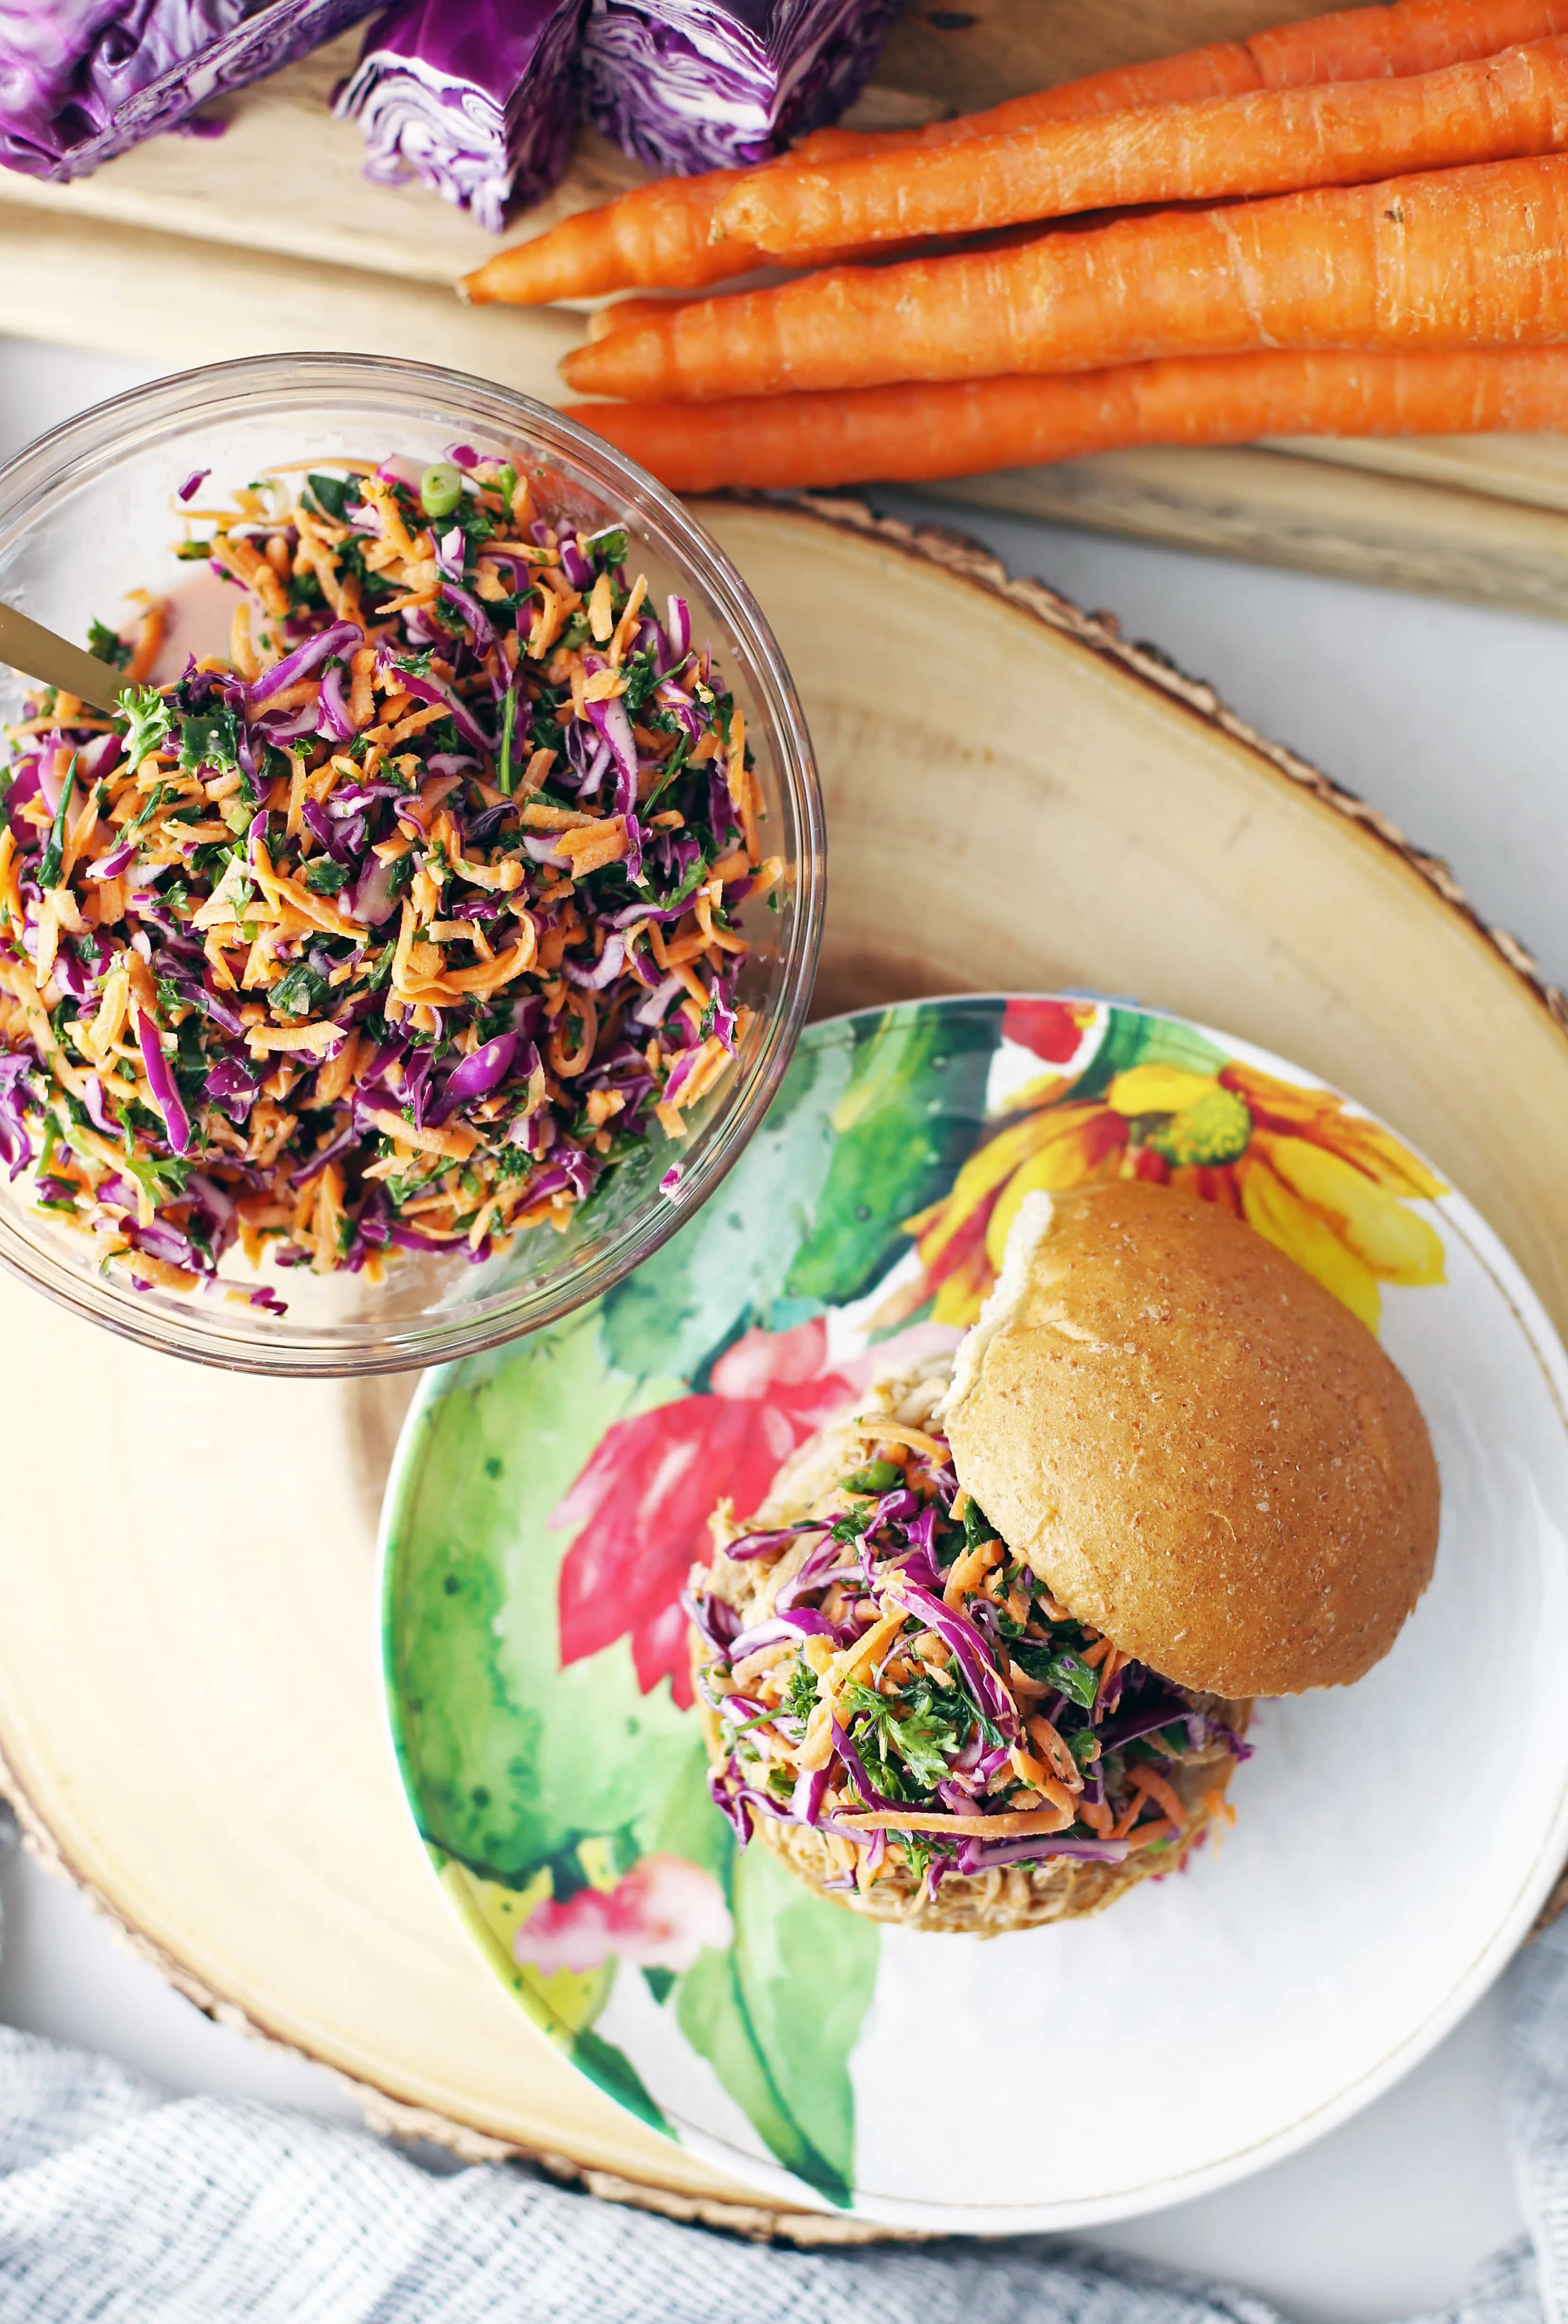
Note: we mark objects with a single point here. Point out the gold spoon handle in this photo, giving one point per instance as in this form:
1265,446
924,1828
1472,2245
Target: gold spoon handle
38,653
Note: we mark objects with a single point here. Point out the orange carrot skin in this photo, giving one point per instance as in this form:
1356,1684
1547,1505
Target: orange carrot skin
1365,43
1273,141
916,433
657,235
1415,36
1224,69
625,312
1471,257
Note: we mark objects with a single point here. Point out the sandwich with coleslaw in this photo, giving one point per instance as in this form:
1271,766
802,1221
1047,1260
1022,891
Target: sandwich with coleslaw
987,1657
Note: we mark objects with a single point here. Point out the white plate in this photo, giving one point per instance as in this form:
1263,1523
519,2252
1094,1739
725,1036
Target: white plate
1394,1840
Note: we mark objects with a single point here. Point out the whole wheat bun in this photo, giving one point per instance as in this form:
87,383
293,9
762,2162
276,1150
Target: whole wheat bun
1194,1445
979,1903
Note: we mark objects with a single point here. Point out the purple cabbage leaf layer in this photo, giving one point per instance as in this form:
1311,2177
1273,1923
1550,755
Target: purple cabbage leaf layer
81,80
477,98
692,85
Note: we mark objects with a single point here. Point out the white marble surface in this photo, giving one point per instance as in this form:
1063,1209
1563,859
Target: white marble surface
1448,719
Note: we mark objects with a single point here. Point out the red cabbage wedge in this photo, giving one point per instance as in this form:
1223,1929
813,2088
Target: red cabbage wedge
83,79
477,99
690,85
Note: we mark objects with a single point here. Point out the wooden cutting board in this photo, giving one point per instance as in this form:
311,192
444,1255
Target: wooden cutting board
285,176
189,250
191,1712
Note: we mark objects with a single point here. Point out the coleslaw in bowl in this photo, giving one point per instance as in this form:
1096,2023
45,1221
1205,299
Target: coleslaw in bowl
430,935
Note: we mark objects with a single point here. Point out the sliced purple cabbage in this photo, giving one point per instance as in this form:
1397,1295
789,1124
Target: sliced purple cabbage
15,1145
83,79
803,1622
477,98
690,85
986,1855
160,1082
762,1544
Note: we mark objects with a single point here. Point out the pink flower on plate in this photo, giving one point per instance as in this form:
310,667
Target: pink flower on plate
641,1505
660,1915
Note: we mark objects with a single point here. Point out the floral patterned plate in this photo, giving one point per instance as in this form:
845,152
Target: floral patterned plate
1394,1840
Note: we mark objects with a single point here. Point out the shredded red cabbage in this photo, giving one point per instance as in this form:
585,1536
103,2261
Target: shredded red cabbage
1011,1733
352,930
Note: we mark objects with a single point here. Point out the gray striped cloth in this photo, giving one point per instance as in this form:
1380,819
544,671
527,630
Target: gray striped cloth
116,2205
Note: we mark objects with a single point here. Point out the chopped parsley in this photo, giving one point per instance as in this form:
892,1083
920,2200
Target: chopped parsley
106,645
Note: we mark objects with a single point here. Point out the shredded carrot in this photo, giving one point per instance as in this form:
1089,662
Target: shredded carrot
1164,1794
591,849
1055,1752
1129,1816
315,1041
899,1432
456,1143
149,639
1149,1835
242,653
10,876
969,1569
1001,1826
1039,1776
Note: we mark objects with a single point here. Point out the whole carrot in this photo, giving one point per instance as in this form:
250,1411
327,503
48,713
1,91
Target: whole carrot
661,236
658,234
1272,141
1362,43
916,432
1473,257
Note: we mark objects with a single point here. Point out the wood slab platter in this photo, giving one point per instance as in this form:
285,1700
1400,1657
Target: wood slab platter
188,250
190,1715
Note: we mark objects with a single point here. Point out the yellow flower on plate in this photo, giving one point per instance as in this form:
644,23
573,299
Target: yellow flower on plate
1329,1187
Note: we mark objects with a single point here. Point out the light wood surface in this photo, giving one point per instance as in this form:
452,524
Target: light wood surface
190,1696
1317,515
114,288
1533,469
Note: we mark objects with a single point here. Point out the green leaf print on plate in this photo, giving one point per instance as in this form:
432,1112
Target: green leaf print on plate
914,1107
777,2013
490,1725
1132,1038
679,1307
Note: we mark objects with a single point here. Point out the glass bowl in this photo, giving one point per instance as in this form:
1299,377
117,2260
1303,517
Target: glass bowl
85,517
